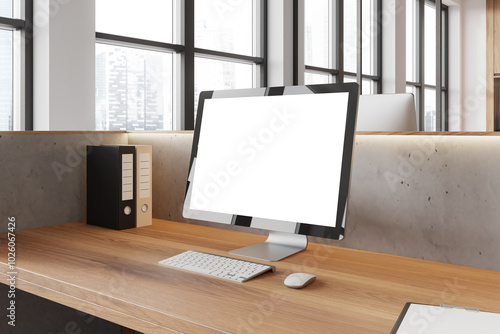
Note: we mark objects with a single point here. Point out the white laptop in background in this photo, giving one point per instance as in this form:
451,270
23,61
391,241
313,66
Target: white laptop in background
386,112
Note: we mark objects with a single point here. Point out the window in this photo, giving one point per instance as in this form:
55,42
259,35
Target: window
152,64
15,65
426,59
135,54
226,54
133,88
342,42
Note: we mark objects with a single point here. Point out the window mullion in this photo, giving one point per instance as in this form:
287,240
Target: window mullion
136,43
333,48
359,42
378,70
27,65
229,56
421,62
439,63
187,118
11,24
263,24
340,37
295,42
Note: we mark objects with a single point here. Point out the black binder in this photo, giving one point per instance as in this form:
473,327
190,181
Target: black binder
111,183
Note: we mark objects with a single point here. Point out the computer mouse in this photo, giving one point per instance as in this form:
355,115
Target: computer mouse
299,280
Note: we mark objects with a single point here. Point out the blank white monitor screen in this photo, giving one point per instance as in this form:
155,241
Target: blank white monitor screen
279,162
254,153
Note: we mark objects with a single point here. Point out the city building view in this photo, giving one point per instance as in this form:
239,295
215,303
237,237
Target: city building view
133,89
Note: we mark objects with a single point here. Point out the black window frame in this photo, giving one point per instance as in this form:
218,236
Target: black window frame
189,52
24,25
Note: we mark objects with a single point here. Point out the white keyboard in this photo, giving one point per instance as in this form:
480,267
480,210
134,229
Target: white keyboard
216,265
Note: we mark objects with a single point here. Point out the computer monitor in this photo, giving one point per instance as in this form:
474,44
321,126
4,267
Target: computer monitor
387,112
274,158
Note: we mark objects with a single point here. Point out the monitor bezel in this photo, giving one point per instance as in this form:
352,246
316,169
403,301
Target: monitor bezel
337,232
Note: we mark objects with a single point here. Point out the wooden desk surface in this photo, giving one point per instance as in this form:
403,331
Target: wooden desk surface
115,275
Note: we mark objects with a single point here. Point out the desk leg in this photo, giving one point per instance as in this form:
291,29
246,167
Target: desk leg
126,330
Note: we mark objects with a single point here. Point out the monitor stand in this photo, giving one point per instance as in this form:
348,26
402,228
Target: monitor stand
277,246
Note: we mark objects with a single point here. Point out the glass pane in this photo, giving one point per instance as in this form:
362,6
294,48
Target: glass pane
411,41
444,59
312,78
430,43
212,74
145,19
430,110
225,26
133,89
6,8
317,38
369,36
6,88
412,89
368,87
350,79
350,36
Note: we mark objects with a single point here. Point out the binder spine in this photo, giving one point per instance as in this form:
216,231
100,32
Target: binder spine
127,209
144,185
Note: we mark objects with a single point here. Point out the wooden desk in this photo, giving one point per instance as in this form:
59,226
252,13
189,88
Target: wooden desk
115,275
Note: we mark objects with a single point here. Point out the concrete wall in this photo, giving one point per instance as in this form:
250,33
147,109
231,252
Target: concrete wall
430,197
42,176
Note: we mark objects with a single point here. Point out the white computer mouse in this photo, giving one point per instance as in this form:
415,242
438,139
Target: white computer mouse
299,280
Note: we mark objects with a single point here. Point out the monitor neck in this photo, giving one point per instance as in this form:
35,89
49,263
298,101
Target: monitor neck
277,246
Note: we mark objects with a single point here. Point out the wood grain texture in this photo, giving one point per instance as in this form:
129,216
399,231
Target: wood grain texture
426,133
60,132
115,275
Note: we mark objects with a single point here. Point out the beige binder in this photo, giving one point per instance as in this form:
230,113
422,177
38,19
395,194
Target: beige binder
144,192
